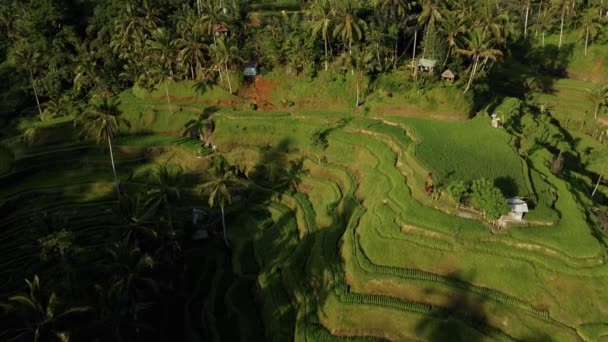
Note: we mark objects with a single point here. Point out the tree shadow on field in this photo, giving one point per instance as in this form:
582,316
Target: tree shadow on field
274,170
463,317
507,185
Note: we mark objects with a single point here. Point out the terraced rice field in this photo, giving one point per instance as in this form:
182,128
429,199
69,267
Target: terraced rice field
350,253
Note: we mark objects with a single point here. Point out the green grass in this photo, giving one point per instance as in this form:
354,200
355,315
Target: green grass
354,253
470,150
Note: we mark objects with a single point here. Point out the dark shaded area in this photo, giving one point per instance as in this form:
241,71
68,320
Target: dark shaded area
507,185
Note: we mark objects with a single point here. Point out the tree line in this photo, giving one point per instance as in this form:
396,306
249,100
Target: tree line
76,50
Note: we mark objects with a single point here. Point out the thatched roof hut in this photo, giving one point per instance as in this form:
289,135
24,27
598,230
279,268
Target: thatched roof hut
448,75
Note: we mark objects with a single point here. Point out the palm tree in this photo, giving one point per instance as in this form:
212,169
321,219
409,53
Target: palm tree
349,26
452,26
218,188
200,128
432,12
163,47
322,14
44,313
599,97
590,26
496,25
120,302
223,54
544,24
62,106
358,61
137,217
562,8
103,121
27,58
164,182
476,46
394,8
192,53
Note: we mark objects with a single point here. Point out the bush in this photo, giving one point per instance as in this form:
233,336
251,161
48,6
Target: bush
489,198
458,190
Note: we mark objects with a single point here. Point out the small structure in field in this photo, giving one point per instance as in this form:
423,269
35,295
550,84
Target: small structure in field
518,208
250,69
220,30
496,122
427,65
448,76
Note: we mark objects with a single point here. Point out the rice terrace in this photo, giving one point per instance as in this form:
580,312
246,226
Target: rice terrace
303,170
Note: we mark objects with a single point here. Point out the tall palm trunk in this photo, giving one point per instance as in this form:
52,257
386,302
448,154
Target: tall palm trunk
526,21
357,85
540,7
36,94
561,30
168,98
543,38
598,180
586,39
445,61
113,166
472,73
224,227
228,77
326,59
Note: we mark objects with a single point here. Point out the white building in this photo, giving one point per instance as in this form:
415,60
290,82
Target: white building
518,208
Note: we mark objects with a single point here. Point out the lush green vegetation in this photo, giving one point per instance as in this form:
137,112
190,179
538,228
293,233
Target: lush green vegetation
149,190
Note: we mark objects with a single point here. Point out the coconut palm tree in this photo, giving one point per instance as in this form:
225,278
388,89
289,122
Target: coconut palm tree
477,45
137,216
62,106
200,128
44,314
432,12
543,24
102,120
223,54
394,8
164,182
599,97
28,59
358,61
349,27
589,26
193,53
163,47
322,14
561,8
218,188
452,26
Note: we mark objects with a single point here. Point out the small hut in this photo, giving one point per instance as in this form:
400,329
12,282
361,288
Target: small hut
518,208
220,30
250,69
448,76
496,122
427,65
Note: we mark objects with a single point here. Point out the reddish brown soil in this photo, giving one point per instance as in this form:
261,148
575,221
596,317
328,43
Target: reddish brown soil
258,91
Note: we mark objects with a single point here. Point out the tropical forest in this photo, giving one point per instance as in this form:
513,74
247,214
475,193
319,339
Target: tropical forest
303,170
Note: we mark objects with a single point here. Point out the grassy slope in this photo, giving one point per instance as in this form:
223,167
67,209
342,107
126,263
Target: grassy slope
469,150
472,254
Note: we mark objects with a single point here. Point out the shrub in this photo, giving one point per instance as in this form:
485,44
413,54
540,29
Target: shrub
489,198
458,190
